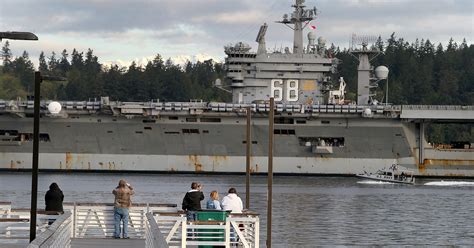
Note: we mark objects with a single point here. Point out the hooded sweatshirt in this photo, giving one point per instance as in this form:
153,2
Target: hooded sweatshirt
192,200
232,202
54,198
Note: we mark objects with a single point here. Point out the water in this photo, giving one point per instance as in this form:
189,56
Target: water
307,211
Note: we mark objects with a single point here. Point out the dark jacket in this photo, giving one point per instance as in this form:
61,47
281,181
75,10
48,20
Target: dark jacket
54,198
192,200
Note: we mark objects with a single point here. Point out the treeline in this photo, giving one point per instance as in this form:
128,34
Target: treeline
420,73
89,79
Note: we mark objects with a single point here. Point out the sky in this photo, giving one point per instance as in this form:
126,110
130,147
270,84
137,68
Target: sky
122,31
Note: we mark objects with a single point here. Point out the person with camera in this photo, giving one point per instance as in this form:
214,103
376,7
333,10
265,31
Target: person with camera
192,201
122,203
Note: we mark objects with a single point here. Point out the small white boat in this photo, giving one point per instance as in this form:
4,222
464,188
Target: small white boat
393,174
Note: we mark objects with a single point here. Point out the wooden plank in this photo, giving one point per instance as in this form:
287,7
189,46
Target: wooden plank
106,243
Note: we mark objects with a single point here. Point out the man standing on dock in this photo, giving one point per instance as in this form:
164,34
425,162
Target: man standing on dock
192,201
122,203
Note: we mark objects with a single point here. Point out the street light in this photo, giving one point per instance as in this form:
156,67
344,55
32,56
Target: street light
34,175
18,36
30,36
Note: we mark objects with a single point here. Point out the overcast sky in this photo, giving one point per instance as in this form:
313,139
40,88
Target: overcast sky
120,31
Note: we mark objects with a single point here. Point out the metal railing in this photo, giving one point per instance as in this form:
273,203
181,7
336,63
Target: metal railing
16,223
154,237
97,219
82,220
438,107
159,224
58,235
5,208
241,230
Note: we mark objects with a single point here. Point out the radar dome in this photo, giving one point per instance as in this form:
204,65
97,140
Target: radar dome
54,107
321,40
367,112
311,36
381,72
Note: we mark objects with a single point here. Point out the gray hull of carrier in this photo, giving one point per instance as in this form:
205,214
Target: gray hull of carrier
317,131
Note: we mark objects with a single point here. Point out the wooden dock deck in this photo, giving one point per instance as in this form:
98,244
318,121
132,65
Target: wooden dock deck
106,243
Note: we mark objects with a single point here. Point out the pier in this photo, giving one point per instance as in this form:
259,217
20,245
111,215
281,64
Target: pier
150,225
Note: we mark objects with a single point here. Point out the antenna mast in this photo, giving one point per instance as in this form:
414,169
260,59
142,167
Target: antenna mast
361,50
297,18
261,39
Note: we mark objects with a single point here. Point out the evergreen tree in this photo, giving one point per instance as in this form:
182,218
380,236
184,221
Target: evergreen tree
63,65
77,60
113,82
91,74
43,66
6,56
153,74
24,70
53,64
379,43
10,87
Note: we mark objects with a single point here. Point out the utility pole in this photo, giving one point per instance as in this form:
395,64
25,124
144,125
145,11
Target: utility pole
249,145
34,167
270,172
34,183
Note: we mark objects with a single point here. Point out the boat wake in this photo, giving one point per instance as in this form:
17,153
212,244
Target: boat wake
450,183
373,182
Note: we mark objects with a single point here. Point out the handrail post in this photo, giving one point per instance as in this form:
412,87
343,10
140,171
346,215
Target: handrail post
257,232
227,233
74,221
184,232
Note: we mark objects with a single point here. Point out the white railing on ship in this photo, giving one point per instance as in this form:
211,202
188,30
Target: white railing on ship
242,230
437,107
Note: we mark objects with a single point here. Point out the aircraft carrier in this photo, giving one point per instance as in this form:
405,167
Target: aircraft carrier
316,130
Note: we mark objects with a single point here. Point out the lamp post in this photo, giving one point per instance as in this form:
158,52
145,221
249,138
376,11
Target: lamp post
34,170
18,36
30,36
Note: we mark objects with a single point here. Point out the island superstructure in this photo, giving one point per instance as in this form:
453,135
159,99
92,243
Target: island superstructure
316,130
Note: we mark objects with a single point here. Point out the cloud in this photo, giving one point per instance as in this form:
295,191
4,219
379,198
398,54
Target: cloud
129,29
242,17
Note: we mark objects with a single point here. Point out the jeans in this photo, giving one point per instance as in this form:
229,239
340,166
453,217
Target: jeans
191,215
121,215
